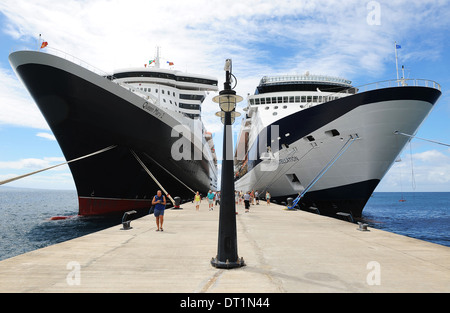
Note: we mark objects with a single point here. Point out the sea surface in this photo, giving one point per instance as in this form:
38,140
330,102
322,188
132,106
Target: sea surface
423,215
26,225
25,219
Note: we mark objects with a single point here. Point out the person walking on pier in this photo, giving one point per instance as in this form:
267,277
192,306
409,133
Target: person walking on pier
247,201
268,197
217,198
210,197
159,201
197,199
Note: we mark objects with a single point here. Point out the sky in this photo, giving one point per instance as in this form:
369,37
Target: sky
353,39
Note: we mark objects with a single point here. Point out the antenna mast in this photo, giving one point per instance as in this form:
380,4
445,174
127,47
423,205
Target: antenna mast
396,59
157,63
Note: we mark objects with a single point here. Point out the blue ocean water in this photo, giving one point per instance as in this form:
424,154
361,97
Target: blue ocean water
25,223
424,215
26,226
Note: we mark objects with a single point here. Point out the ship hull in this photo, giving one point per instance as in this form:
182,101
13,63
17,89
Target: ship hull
86,113
310,139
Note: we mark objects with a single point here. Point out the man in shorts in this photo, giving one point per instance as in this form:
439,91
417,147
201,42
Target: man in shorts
159,201
210,197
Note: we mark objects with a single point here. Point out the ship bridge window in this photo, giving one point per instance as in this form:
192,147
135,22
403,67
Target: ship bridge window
192,97
263,101
268,100
192,116
280,99
274,99
308,98
315,98
252,101
257,101
189,106
297,98
196,80
303,98
285,99
291,99
144,74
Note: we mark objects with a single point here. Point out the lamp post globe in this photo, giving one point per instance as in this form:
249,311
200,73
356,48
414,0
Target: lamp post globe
227,100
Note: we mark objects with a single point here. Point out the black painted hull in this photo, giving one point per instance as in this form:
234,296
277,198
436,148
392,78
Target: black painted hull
85,118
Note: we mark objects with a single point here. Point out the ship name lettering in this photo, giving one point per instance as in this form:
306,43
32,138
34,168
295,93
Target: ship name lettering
153,110
289,159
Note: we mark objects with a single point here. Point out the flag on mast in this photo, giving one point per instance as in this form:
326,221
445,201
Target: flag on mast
44,44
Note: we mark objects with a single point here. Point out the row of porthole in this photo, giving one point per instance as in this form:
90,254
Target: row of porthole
276,107
284,107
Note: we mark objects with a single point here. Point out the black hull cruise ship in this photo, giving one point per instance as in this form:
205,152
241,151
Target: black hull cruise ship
133,111
322,141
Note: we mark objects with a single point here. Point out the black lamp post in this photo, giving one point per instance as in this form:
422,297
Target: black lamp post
227,256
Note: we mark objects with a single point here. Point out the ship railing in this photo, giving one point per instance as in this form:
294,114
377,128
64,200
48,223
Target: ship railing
89,67
70,58
78,61
415,82
75,60
309,77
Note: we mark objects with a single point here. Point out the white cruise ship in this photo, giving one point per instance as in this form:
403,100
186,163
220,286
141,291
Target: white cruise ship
323,139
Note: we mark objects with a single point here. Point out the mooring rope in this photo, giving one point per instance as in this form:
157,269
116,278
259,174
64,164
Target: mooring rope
153,160
152,176
412,136
49,168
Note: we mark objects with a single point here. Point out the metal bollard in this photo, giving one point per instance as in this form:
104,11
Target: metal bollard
125,222
177,203
290,202
362,226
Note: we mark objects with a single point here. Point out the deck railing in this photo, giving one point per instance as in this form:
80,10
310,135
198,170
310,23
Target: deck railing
394,83
73,59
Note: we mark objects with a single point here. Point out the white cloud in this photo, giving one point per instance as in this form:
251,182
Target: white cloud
31,163
16,106
428,171
49,180
46,136
199,35
56,178
432,156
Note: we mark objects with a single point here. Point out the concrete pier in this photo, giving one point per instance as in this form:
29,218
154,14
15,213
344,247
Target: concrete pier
284,252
